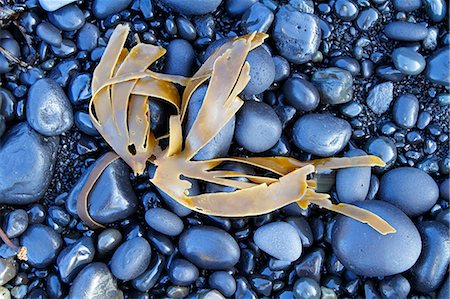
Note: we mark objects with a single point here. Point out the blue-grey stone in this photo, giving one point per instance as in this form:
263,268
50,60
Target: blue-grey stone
103,8
52,5
183,272
408,61
193,7
74,257
180,58
43,245
406,110
301,94
164,221
407,5
380,97
406,31
131,259
335,85
346,10
87,37
436,9
49,33
67,18
438,67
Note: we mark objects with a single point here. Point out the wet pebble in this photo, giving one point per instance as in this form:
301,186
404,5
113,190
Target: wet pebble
43,245
321,134
257,18
74,257
310,265
436,9
405,31
238,7
103,8
367,19
195,7
209,247
280,240
49,33
79,91
282,68
183,272
408,61
395,287
365,251
108,240
48,109
16,222
164,221
301,94
52,5
444,189
223,282
438,67
303,229
380,97
297,35
13,47
8,270
410,189
150,277
180,58
66,49
335,85
67,18
406,110
346,10
306,288
84,123
131,259
347,63
407,5
382,147
87,37
262,71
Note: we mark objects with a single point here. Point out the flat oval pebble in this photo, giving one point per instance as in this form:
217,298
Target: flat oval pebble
104,8
164,221
223,282
405,31
321,134
407,5
408,61
364,251
43,245
347,63
16,222
335,85
183,272
67,18
346,10
438,67
444,189
52,5
180,58
258,18
209,247
301,94
131,259
49,33
95,281
262,71
108,240
13,47
258,127
367,19
436,9
406,110
194,7
410,189
280,240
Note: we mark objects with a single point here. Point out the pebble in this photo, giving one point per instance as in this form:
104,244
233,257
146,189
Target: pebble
347,63
335,85
408,61
389,73
31,158
380,97
194,7
49,33
131,259
306,288
384,148
8,270
8,105
43,245
16,223
405,111
13,47
103,8
87,37
444,189
74,257
395,287
79,90
48,109
258,18
407,5
431,268
108,240
150,277
352,184
52,5
321,134
209,247
410,189
67,48
436,9
183,272
114,196
238,7
95,281
223,282
364,251
346,10
303,229
258,127
67,18
311,264
367,19
63,71
220,144
164,221
84,123
301,94
438,67
262,72
180,58
282,68
297,35
405,31
280,240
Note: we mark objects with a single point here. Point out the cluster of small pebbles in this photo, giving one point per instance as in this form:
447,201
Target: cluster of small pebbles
334,78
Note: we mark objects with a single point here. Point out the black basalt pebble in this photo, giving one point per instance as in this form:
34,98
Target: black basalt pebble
180,58
182,272
67,18
262,71
16,222
301,94
194,7
131,259
103,8
223,282
74,257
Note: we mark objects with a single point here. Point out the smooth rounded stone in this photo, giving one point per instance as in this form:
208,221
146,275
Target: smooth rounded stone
306,288
108,240
389,73
346,10
67,18
405,111
220,144
347,63
48,109
79,91
407,5
164,221
394,287
335,85
186,29
209,248
303,229
301,94
380,97
13,47
438,67
31,158
321,134
43,245
103,8
382,147
150,277
63,71
367,19
364,251
49,33
30,76
410,189
257,18
223,282
405,31
258,127
408,61
131,259
8,270
436,9
95,281
114,196
297,35
66,49
194,7
180,58
84,123
8,104
16,222
238,7
183,272
431,268
282,68
311,264
280,240
444,189
87,37
262,72
52,5
352,184
74,257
